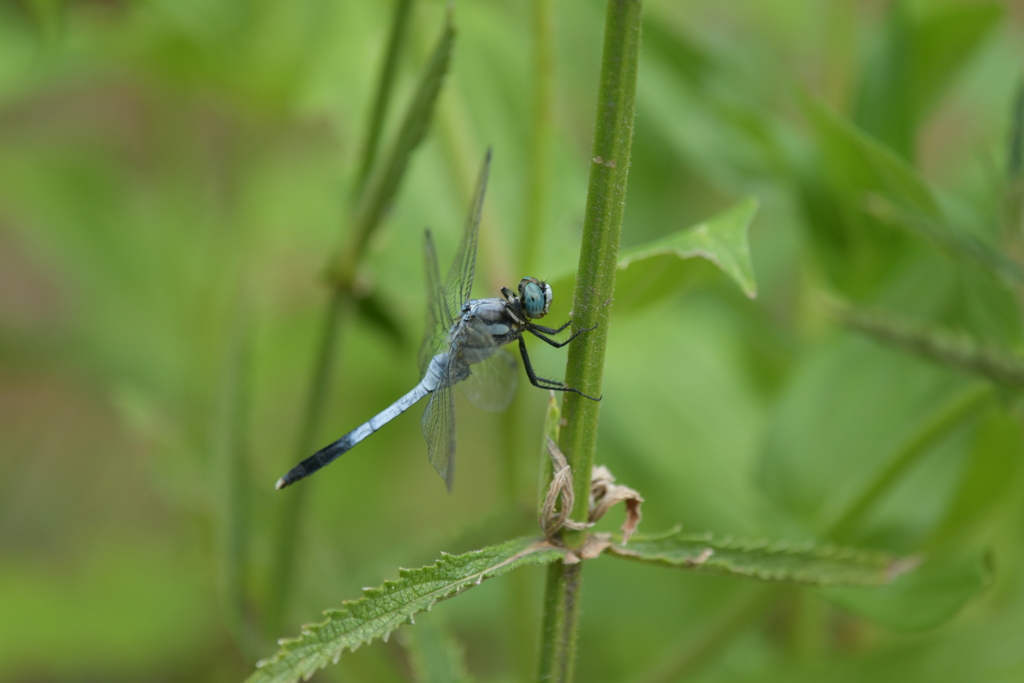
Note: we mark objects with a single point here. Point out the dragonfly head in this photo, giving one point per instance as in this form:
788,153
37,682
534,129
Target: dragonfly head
536,297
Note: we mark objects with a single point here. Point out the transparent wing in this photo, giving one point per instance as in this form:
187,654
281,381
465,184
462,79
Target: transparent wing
438,319
492,383
458,284
439,430
444,307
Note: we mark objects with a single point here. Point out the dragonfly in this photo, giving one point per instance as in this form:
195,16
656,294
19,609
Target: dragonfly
462,344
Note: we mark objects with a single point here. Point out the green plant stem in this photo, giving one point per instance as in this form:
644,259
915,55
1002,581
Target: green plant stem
595,283
378,113
602,225
531,235
383,185
292,506
962,407
558,627
956,352
517,440
238,411
540,141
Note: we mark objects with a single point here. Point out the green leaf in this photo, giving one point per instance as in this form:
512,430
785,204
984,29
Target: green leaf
880,459
959,352
841,167
914,64
987,486
386,180
803,563
944,40
381,610
882,106
654,271
857,163
956,243
920,599
663,267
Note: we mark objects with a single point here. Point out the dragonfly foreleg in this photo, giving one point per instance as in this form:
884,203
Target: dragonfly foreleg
536,330
542,383
550,330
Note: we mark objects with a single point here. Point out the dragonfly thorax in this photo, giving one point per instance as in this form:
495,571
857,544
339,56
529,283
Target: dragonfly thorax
535,297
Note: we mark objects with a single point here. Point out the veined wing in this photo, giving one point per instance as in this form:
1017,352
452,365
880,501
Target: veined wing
438,318
438,426
444,308
491,385
458,284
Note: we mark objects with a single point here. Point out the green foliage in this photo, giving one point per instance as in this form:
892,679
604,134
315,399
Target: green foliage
672,265
801,563
653,271
940,346
918,55
921,599
381,610
174,176
385,181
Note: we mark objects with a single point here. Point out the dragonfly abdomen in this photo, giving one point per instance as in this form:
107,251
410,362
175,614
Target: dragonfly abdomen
332,452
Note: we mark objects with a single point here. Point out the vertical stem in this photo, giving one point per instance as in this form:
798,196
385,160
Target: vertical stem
516,441
237,416
287,532
533,220
558,628
540,142
1012,199
381,100
602,224
595,283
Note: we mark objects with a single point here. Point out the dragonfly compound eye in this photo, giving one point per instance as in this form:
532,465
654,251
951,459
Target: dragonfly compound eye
536,296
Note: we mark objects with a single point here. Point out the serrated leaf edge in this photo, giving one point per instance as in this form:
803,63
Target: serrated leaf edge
405,576
893,566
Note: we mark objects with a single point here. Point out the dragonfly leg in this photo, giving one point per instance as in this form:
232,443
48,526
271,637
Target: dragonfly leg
542,383
536,330
550,330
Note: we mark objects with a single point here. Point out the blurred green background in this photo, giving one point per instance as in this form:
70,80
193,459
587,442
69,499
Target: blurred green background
174,178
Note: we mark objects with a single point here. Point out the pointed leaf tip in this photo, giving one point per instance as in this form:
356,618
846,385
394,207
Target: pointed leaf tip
383,609
767,560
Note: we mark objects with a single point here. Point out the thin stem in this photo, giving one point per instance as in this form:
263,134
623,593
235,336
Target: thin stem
533,223
540,141
238,410
516,441
595,283
294,503
602,225
1012,200
558,628
378,113
961,408
381,188
961,352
